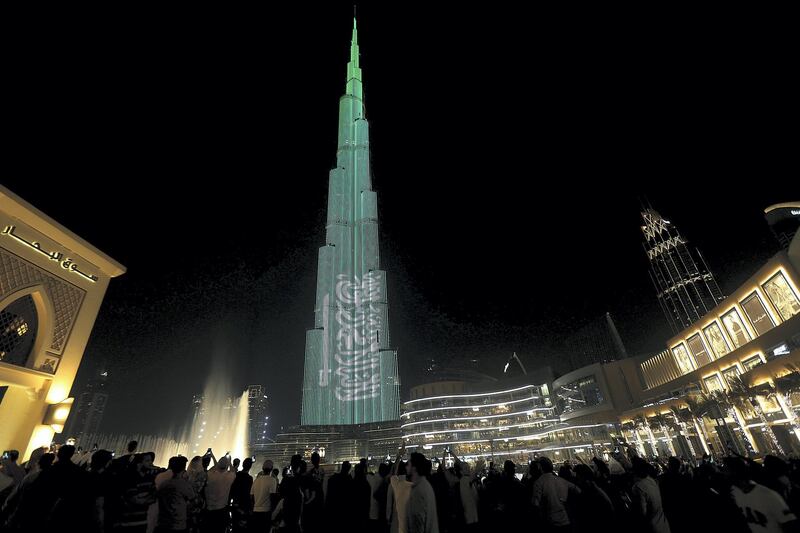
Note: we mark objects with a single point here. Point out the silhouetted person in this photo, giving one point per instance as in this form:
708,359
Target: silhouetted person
421,514
100,485
398,496
240,497
595,510
763,508
444,501
122,462
550,497
23,505
9,466
775,475
339,496
262,494
218,490
676,494
646,498
361,496
314,498
174,496
380,494
292,495
66,496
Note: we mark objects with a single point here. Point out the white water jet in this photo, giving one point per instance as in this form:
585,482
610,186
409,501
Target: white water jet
219,422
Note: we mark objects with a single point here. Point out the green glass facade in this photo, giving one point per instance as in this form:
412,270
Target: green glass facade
350,374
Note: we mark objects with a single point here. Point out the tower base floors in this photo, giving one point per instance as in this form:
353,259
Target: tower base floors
375,442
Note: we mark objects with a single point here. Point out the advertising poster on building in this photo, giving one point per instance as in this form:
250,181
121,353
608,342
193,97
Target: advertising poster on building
683,359
698,350
735,327
716,339
782,296
757,313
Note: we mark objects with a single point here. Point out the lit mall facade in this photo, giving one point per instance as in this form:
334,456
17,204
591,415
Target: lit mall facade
52,283
729,381
511,419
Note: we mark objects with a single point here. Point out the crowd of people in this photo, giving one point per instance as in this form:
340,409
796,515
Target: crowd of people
96,492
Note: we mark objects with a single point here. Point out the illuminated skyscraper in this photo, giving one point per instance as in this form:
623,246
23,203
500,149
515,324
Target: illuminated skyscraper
90,407
257,415
350,370
686,287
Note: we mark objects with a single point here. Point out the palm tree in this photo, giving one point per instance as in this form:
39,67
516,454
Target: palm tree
789,383
785,386
641,421
698,406
661,421
741,395
681,417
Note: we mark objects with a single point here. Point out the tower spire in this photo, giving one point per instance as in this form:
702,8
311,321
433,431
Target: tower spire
353,70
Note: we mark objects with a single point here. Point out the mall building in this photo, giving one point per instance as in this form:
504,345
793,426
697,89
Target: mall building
731,380
728,382
52,283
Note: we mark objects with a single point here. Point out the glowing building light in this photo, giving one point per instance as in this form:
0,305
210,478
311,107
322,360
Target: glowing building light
350,373
469,395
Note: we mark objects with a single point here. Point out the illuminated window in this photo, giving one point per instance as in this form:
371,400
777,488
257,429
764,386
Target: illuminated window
698,350
579,394
781,349
782,296
716,340
750,364
18,323
757,314
731,374
768,404
683,359
735,327
714,384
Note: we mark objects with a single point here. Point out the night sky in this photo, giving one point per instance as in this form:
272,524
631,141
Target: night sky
509,155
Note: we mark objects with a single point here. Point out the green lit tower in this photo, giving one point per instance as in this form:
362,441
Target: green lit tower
350,374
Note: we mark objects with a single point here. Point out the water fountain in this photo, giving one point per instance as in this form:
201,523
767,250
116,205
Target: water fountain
220,422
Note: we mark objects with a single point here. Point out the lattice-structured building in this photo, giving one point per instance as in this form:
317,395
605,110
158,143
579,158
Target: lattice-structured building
686,287
52,283
350,374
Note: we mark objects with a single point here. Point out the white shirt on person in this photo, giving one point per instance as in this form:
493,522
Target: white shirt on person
218,488
421,511
263,486
469,499
763,508
397,502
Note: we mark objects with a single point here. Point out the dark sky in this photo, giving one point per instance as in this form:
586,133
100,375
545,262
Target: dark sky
509,155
